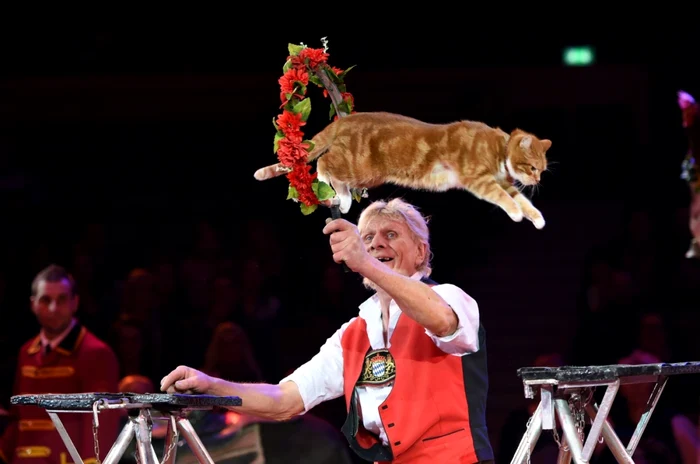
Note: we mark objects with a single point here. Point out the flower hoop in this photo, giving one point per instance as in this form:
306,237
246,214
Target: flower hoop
306,65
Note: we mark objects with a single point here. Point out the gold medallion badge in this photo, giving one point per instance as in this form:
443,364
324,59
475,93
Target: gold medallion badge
379,368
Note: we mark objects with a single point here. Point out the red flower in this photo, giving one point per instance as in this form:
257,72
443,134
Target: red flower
310,57
301,179
315,56
288,82
290,124
291,151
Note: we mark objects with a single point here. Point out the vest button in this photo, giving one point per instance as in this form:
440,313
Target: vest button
397,443
385,406
391,425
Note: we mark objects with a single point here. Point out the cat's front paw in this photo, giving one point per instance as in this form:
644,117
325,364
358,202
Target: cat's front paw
536,217
516,216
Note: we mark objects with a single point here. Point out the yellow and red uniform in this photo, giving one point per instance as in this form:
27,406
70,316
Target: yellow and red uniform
81,363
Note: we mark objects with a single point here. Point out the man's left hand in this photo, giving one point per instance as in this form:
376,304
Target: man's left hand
346,244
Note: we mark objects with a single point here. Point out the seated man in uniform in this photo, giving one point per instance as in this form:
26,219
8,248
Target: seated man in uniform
411,365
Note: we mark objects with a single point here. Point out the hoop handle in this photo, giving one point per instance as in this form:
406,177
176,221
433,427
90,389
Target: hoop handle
335,214
336,99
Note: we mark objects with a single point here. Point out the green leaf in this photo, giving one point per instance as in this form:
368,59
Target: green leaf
322,190
356,195
294,49
344,107
310,144
287,66
278,136
299,88
314,79
336,80
342,74
332,112
292,193
306,210
274,123
332,74
303,107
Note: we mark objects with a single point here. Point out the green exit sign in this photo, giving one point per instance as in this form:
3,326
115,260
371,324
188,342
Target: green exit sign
579,56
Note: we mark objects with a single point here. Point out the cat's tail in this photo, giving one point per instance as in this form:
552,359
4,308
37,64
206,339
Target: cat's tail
322,142
268,172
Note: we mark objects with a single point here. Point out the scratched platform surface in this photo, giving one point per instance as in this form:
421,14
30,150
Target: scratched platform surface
84,401
606,373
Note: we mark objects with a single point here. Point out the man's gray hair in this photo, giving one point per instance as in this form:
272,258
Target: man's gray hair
397,209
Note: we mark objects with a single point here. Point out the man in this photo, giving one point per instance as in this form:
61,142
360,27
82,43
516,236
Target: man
411,366
64,357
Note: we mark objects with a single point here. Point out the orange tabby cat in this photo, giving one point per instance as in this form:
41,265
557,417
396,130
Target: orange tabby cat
365,150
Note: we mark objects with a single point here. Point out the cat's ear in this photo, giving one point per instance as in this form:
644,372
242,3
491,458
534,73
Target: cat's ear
546,144
525,142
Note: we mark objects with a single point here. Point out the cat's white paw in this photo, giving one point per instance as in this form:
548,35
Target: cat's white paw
539,222
517,217
345,203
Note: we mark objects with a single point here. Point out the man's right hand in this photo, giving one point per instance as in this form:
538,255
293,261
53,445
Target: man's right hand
186,380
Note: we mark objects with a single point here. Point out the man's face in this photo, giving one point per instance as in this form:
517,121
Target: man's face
54,306
393,243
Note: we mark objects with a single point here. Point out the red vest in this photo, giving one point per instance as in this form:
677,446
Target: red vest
436,410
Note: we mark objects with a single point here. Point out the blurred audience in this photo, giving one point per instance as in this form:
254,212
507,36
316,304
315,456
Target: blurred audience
670,436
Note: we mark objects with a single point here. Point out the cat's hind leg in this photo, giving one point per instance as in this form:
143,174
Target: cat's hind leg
488,189
530,212
343,192
343,196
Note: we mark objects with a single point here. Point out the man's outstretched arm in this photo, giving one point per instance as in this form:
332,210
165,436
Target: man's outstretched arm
276,402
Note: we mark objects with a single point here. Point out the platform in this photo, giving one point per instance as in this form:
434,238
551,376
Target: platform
566,402
143,409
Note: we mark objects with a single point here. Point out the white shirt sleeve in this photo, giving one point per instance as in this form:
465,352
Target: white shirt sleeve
321,378
465,339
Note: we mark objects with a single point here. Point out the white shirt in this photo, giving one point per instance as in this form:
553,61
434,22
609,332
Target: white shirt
321,378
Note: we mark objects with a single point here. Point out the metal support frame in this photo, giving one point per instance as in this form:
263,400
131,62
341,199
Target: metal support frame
554,410
138,427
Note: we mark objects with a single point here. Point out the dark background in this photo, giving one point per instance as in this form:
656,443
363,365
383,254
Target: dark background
149,129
